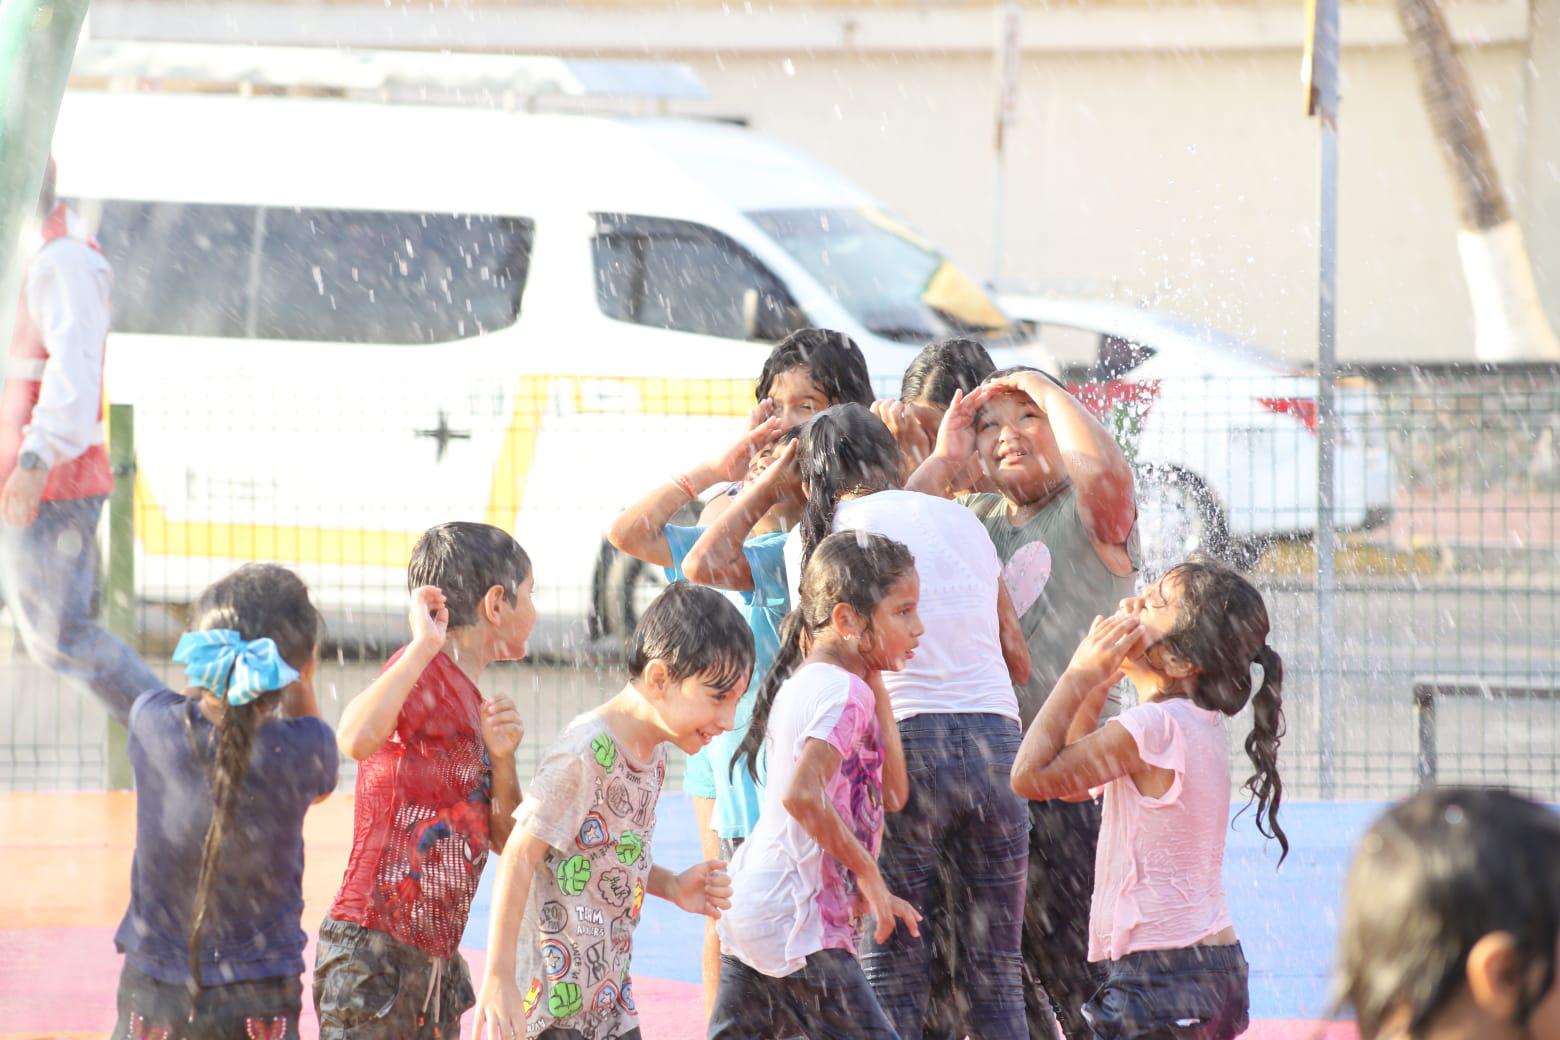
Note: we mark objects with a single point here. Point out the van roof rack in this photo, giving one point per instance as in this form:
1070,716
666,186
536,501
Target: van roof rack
429,77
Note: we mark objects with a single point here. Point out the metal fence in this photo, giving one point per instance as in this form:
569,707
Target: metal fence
1448,499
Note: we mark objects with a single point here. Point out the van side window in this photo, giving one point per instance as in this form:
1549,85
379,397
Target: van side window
344,276
672,274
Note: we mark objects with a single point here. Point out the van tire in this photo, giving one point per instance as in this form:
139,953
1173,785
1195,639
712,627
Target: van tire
627,580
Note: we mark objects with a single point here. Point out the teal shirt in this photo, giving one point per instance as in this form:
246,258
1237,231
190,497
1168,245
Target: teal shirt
709,773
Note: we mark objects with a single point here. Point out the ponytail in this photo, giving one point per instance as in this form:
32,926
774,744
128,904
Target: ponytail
1267,729
235,739
786,659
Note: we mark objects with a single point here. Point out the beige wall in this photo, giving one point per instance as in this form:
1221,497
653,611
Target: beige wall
1160,153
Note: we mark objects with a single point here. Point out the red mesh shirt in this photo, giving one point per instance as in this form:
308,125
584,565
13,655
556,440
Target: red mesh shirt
420,822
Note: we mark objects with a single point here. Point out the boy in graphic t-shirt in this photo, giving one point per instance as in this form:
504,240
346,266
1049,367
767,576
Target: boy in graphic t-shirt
436,788
578,866
1064,526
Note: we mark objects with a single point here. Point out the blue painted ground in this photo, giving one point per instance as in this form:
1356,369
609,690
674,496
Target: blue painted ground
1286,918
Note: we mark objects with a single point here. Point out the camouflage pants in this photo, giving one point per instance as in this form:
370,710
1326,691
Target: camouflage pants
367,986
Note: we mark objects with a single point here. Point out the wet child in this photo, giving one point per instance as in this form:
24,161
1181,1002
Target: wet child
224,774
436,788
578,865
799,886
1063,519
1451,922
940,370
1159,927
808,371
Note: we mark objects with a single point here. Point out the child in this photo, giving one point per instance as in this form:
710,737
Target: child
437,787
806,372
1064,524
224,774
1451,924
835,764
578,866
1159,926
940,370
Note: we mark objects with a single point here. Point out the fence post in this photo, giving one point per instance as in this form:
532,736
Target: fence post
119,599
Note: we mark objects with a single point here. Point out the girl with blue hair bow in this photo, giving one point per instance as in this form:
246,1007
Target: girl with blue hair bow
224,775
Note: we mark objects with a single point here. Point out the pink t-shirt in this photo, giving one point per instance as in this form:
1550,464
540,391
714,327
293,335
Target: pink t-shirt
791,898
1159,867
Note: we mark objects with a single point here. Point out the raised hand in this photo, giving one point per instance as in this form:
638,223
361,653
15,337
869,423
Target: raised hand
956,434
502,729
429,617
904,422
1110,641
732,464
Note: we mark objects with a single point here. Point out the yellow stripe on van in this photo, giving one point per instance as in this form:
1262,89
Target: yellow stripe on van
161,536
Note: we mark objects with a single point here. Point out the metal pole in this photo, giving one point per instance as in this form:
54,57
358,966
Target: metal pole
37,43
119,603
1326,87
1008,61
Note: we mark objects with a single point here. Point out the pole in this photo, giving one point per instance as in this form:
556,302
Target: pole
119,603
37,43
1009,57
1324,101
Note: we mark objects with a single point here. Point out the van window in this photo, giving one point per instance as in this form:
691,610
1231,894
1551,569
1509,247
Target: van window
346,276
672,274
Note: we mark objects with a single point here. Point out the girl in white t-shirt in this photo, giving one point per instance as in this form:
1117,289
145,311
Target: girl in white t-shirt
808,871
1189,645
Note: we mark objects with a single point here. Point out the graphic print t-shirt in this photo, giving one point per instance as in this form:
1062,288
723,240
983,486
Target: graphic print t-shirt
595,807
420,819
791,898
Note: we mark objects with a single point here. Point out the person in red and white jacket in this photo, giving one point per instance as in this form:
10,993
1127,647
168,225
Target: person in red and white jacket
53,464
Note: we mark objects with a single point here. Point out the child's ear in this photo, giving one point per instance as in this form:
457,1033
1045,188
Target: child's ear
1495,976
1175,666
492,603
844,620
656,678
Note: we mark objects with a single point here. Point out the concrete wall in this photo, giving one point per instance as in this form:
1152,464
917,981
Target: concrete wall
1159,155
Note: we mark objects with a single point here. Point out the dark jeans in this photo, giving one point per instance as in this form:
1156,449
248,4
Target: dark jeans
1197,993
48,577
266,1008
826,999
368,986
963,822
555,1033
1058,978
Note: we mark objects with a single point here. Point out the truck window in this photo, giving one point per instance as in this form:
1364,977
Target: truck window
672,274
179,270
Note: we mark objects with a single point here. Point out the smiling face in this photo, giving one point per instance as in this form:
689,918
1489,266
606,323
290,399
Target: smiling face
896,627
696,712
796,397
512,631
1017,449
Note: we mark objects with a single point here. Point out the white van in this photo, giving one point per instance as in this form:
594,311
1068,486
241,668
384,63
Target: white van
341,322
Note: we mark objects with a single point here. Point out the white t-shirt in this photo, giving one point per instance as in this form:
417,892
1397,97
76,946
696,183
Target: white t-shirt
790,898
959,666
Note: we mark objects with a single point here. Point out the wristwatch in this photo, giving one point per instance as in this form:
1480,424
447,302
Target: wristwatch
31,460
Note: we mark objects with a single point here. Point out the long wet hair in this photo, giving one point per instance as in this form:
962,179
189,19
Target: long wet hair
259,601
1222,631
1434,875
841,451
832,360
943,367
856,568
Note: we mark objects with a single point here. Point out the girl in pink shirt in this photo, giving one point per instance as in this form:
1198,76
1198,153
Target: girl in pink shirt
1159,923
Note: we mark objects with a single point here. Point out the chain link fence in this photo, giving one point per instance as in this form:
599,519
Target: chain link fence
1448,502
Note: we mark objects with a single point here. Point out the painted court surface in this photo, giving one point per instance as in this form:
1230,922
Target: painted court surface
66,860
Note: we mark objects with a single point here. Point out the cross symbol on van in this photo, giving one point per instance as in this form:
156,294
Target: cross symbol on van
442,435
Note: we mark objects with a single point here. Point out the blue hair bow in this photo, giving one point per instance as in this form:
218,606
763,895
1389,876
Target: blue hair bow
236,670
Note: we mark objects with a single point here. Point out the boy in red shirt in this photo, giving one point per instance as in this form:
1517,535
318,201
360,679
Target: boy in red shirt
436,789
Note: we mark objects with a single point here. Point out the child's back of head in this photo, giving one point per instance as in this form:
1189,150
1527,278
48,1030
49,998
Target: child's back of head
1452,910
465,560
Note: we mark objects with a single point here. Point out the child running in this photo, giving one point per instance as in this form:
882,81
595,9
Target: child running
1064,524
578,865
808,371
435,789
1159,926
835,764
1451,922
224,774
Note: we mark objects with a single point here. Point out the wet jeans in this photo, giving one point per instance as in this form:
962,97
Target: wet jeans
48,574
962,820
1196,993
826,999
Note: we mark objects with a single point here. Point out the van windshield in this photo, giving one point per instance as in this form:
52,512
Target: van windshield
889,278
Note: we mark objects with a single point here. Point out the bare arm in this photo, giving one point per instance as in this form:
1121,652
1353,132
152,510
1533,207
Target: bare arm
1098,469
717,558
500,1014
896,782
1015,649
370,718
947,470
